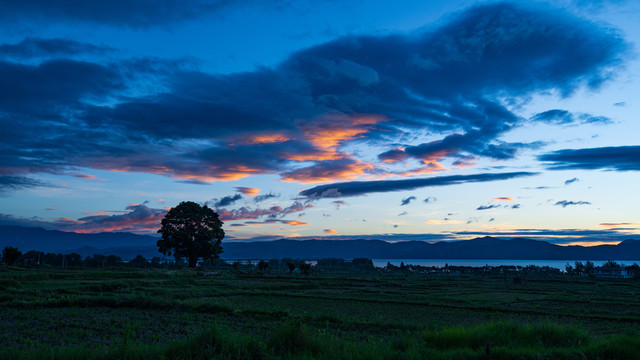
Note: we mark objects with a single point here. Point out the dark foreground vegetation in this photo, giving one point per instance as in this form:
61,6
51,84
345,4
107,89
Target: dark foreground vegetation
243,312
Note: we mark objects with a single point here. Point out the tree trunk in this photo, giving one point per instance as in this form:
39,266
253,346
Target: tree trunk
193,261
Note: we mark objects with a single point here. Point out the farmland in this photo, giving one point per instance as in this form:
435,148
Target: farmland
163,313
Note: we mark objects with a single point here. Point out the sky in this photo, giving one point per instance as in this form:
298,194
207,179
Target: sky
391,120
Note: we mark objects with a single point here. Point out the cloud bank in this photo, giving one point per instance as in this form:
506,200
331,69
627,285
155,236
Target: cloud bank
297,120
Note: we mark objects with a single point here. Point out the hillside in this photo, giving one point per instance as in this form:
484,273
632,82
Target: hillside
127,246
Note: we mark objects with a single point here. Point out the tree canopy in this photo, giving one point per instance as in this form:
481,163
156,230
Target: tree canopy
11,254
191,231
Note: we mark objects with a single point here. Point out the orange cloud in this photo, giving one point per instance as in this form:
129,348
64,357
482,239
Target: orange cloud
295,222
249,191
619,225
328,133
336,129
330,231
229,173
347,169
285,222
503,198
268,139
137,218
316,155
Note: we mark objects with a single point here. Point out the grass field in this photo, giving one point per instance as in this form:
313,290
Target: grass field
180,314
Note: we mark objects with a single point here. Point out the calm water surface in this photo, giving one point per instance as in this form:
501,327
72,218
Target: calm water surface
558,264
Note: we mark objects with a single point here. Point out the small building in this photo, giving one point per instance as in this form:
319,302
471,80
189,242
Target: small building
607,272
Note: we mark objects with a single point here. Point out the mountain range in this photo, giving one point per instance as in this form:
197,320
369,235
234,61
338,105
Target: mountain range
127,246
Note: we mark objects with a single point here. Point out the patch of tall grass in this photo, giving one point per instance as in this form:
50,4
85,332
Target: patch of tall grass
294,340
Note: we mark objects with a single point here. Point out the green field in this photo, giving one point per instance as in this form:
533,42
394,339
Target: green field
118,313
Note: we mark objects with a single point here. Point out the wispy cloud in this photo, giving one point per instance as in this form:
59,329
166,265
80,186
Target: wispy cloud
620,225
358,188
571,181
620,158
488,207
264,197
276,221
13,183
565,203
564,117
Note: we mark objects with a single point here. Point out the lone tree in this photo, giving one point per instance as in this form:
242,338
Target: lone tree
191,231
11,254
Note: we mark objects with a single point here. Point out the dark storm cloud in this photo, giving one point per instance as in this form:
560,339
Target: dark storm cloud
13,183
33,47
129,13
619,158
407,200
565,203
293,119
564,117
358,188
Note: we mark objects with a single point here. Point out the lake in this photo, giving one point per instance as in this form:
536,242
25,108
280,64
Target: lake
558,264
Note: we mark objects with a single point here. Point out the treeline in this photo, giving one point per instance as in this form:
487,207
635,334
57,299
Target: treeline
13,256
275,266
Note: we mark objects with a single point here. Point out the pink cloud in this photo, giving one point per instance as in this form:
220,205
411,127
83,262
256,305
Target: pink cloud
136,219
245,213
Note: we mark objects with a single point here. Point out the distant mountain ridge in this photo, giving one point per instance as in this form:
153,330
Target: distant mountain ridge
127,246
478,248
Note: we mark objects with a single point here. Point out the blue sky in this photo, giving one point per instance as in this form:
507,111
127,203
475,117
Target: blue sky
406,120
